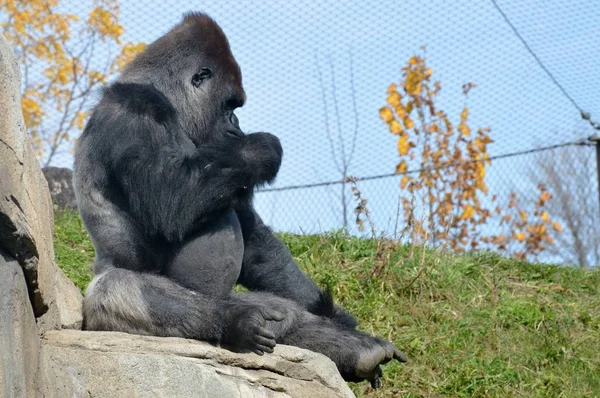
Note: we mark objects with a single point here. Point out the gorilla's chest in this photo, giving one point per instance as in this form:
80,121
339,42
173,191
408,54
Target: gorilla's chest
211,260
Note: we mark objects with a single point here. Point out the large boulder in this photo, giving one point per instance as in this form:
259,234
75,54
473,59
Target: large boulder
109,364
60,183
35,295
18,334
26,213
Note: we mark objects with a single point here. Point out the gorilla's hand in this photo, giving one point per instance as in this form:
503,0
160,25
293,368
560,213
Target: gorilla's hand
263,152
246,328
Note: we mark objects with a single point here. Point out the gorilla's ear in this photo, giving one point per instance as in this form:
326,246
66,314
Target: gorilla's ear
200,77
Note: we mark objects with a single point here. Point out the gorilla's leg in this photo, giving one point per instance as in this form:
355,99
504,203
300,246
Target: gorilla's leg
357,355
210,261
268,266
142,303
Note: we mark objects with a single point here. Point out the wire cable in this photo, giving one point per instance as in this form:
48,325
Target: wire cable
580,142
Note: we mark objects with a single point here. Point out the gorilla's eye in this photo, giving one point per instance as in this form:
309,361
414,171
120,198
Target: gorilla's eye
234,120
198,78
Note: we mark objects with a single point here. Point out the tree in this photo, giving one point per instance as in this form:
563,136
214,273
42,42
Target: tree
570,173
446,203
343,146
64,58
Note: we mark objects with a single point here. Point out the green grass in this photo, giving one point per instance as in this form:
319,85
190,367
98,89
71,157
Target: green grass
476,325
72,247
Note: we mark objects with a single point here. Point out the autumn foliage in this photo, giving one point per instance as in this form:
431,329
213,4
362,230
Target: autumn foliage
443,163
64,58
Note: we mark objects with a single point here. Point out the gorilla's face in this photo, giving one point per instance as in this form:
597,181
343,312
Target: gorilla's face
212,93
193,66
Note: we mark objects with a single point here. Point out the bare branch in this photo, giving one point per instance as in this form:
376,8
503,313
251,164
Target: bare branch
326,115
354,110
337,118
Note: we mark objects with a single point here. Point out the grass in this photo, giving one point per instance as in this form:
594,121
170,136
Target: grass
476,325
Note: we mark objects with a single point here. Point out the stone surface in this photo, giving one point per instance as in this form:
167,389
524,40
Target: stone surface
26,213
108,364
18,335
60,183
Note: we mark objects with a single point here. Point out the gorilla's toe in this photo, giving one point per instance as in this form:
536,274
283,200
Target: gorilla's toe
392,352
368,362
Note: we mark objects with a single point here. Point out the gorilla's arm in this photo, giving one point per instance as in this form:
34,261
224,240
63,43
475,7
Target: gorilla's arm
269,266
168,184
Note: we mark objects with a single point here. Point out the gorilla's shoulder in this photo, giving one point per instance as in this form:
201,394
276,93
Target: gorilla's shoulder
141,99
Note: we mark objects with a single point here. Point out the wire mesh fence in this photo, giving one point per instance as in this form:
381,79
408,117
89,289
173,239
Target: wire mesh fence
316,74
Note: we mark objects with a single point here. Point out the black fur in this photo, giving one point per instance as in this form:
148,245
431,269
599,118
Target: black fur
164,180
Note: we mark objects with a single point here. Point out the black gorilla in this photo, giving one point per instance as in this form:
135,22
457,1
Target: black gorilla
164,180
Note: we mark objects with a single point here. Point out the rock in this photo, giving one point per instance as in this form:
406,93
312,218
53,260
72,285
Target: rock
26,213
109,364
18,335
60,183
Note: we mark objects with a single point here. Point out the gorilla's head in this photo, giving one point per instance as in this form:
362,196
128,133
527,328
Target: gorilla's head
193,67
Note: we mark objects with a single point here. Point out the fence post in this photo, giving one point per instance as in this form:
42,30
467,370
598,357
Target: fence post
595,140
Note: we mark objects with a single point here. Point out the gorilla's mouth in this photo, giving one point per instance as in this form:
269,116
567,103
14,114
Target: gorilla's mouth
235,132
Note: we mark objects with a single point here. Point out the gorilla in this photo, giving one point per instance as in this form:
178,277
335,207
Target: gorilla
164,178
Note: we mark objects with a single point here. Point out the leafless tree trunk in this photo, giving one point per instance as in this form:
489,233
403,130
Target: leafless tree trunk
342,146
569,173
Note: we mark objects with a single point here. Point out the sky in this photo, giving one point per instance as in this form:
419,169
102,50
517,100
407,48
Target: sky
283,47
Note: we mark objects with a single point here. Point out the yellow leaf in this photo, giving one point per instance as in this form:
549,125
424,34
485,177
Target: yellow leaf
80,120
400,111
480,172
404,181
401,168
403,146
482,187
498,239
557,227
546,196
468,212
464,129
523,215
408,123
541,229
545,217
464,114
386,114
520,236
394,99
395,127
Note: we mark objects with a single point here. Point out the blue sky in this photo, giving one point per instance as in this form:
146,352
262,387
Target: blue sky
281,47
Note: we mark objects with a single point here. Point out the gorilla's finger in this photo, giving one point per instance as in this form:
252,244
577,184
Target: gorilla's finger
265,333
273,316
268,350
265,341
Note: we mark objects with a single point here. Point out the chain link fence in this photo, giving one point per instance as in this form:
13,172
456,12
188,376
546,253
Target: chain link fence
316,74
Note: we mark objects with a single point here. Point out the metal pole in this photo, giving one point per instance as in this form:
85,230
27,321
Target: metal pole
595,140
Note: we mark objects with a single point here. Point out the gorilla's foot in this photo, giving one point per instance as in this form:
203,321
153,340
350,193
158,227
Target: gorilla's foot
370,358
368,362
